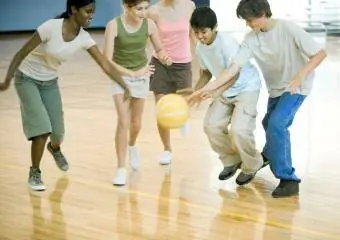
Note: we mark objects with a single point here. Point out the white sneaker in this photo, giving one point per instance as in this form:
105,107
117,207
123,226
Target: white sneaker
134,157
120,179
166,158
185,129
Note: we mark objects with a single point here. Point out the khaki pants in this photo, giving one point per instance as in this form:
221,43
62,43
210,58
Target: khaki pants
229,124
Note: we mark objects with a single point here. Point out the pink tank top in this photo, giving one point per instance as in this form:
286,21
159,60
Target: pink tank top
175,39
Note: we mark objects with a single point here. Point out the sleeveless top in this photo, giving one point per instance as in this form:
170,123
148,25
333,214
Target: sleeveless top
175,39
130,48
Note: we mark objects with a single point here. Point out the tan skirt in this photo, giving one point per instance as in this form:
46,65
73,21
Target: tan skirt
139,86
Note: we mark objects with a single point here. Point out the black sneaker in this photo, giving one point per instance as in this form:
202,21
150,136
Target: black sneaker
59,157
286,188
228,172
244,178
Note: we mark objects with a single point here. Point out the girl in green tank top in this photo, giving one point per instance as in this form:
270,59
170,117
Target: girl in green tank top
125,46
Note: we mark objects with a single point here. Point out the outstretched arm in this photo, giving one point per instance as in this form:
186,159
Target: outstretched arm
107,67
30,45
205,77
224,78
224,81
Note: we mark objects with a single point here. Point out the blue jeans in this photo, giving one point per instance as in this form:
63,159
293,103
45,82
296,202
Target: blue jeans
279,117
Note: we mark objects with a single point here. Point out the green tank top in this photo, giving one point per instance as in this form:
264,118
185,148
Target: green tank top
130,48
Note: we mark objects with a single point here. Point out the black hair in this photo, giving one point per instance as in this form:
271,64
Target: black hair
74,3
247,9
132,3
203,17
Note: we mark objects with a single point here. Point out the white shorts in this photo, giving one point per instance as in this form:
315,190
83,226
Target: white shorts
139,86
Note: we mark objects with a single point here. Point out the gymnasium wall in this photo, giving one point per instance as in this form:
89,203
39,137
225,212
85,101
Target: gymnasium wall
26,15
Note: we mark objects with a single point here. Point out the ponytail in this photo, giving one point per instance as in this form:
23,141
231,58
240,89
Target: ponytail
75,3
64,15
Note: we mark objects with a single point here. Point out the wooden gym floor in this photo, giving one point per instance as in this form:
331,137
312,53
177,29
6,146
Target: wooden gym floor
184,201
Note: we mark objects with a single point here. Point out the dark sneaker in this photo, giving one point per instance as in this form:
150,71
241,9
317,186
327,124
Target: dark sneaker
228,172
265,161
244,178
59,157
34,180
286,188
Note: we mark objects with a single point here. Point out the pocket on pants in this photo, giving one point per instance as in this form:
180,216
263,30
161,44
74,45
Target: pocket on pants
250,110
250,113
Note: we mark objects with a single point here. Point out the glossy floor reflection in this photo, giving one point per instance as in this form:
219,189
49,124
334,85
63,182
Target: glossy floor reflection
184,201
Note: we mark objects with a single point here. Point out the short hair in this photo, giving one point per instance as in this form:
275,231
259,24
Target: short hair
132,3
203,17
247,9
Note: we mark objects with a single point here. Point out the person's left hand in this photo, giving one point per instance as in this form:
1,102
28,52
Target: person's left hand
295,84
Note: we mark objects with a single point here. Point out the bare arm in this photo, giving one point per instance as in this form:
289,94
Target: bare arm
204,78
192,36
224,87
223,78
213,89
157,44
107,67
313,62
30,45
110,34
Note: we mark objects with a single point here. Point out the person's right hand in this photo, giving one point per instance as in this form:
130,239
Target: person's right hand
4,86
127,95
146,71
196,98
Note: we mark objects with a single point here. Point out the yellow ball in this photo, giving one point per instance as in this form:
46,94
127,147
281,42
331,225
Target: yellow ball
172,111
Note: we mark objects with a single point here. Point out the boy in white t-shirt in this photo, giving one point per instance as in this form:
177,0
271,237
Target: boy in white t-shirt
35,68
230,120
287,57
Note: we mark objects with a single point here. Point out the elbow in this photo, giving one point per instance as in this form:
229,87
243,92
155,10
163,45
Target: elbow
323,54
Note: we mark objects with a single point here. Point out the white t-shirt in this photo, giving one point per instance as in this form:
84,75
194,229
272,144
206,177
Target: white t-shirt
43,62
217,57
280,53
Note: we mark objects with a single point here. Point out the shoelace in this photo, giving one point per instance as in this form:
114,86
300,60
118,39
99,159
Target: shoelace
36,177
60,156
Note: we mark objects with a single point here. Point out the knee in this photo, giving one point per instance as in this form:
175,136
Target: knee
275,123
122,124
211,128
237,134
42,137
136,124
